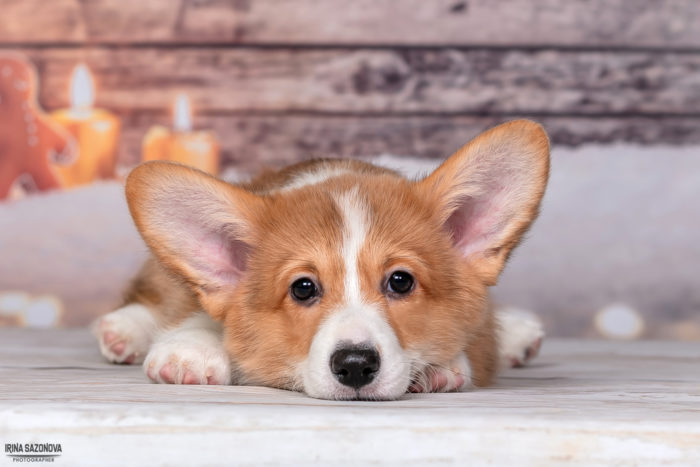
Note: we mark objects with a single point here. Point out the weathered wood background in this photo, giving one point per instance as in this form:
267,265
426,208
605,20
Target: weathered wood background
288,79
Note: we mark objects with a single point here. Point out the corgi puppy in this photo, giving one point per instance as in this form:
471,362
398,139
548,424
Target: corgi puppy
337,278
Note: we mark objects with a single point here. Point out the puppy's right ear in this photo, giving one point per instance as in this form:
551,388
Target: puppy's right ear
488,193
195,224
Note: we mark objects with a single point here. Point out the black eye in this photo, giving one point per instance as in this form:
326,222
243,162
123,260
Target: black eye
400,282
303,289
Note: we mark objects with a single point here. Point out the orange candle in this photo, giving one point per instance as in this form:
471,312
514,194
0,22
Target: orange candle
95,130
197,149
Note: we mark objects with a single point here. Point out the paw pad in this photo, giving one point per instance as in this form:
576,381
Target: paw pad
174,362
124,336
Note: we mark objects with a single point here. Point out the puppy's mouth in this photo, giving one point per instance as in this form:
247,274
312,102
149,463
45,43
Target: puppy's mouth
381,389
364,394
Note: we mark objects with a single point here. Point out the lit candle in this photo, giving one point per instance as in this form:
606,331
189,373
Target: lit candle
95,130
194,148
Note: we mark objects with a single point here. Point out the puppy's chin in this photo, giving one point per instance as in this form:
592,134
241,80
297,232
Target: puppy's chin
378,391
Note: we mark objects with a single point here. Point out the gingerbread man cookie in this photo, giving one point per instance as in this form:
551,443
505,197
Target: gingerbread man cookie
29,141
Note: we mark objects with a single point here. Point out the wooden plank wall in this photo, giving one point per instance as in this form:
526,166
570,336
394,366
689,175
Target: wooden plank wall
281,80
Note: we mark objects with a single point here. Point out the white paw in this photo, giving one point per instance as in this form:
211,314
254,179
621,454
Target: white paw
192,353
126,334
454,377
520,336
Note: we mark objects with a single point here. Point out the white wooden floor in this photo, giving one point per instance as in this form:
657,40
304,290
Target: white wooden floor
585,402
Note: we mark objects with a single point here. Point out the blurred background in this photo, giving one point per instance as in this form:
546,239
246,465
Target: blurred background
89,88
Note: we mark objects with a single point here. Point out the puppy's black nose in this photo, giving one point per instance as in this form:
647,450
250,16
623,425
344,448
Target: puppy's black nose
355,366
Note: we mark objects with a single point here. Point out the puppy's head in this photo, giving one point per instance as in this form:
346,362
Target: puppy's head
348,283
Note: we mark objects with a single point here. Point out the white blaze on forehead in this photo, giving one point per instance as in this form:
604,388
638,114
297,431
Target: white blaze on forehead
355,225
313,177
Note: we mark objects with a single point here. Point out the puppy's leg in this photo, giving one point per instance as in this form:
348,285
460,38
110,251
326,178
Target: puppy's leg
191,353
125,335
520,335
155,300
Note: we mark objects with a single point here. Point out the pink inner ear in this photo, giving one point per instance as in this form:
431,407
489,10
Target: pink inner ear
217,258
475,224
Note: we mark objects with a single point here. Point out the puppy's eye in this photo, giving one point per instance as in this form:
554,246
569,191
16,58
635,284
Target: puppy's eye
303,289
400,282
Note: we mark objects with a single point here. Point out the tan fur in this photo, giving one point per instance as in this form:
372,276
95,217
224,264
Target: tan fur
296,233
163,292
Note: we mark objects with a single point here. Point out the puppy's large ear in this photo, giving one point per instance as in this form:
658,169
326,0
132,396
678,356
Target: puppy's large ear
488,193
197,225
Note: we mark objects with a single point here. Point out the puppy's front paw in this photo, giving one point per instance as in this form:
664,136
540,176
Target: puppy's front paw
454,377
520,338
190,356
124,335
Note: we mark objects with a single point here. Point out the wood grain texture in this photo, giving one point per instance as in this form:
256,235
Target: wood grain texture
339,76
249,142
447,81
525,23
583,402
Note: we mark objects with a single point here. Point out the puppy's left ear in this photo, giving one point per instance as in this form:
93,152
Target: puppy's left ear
198,227
488,193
